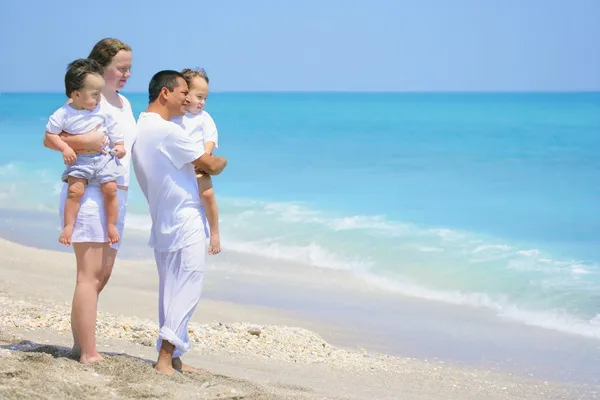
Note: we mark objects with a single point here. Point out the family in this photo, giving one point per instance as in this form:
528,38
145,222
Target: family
171,148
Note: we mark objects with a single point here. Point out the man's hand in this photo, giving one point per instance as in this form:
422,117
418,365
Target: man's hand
119,151
69,156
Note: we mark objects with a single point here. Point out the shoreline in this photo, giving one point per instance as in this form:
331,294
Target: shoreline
349,312
36,287
280,362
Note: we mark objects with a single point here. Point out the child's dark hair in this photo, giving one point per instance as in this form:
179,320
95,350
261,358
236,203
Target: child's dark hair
78,70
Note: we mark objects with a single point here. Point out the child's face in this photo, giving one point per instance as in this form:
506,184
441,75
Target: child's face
89,95
198,95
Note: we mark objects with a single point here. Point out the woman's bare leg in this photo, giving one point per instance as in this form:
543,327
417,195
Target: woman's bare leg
107,267
91,258
105,276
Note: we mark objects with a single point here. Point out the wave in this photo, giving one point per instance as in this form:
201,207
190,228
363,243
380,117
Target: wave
520,283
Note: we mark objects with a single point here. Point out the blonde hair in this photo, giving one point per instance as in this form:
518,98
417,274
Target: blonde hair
190,73
106,49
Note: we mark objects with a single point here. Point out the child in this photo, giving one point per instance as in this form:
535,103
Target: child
84,83
201,127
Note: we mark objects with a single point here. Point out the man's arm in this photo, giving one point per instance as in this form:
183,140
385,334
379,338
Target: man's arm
210,164
182,150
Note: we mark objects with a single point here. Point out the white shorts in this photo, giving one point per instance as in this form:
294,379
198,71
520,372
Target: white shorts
90,224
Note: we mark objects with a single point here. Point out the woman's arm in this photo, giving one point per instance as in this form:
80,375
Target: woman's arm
92,140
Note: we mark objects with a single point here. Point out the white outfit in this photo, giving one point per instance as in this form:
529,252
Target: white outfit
90,225
200,127
96,168
162,160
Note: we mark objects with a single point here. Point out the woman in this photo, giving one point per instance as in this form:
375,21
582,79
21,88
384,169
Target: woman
94,256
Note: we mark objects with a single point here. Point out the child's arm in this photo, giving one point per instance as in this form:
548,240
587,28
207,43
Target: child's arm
209,147
56,143
210,133
54,127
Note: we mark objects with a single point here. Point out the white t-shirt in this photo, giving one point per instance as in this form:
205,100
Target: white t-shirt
200,127
162,160
128,127
78,122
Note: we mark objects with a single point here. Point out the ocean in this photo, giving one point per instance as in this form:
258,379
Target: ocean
489,201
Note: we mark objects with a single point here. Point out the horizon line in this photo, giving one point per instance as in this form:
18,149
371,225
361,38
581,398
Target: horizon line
512,91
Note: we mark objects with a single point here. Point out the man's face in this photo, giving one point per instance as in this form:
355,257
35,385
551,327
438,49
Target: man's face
178,99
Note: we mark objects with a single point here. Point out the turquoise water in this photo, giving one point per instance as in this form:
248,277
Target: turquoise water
485,200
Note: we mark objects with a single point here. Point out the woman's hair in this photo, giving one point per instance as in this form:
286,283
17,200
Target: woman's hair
105,50
190,73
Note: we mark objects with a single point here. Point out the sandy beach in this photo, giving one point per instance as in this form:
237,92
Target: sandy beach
249,352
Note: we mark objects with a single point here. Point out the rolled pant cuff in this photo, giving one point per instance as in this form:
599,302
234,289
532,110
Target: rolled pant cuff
170,336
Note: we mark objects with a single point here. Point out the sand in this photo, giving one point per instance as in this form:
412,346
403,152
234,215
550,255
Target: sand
248,352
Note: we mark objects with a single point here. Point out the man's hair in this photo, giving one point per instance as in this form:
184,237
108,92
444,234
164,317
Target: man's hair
106,49
163,79
77,71
190,73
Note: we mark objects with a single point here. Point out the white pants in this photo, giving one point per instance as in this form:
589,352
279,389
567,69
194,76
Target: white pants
180,276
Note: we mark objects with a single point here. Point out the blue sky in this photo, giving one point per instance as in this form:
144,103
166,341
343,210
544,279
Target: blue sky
351,45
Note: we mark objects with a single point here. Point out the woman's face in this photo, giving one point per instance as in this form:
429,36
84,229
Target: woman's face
118,71
198,94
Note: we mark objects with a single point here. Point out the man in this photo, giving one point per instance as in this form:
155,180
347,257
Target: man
164,160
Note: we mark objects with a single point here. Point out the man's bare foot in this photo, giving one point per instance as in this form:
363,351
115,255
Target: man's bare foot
85,359
113,234
215,244
165,369
65,235
178,365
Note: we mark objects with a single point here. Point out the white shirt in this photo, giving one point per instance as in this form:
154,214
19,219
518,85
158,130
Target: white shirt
78,122
200,127
162,160
128,127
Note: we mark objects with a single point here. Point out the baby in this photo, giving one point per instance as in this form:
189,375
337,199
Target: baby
84,83
200,126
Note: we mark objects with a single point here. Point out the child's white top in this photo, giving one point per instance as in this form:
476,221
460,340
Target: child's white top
77,122
200,127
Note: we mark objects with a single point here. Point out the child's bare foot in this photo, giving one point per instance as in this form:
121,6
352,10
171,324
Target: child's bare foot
65,235
89,359
215,244
113,234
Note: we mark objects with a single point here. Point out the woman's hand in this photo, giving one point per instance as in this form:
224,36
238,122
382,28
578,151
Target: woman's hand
93,140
